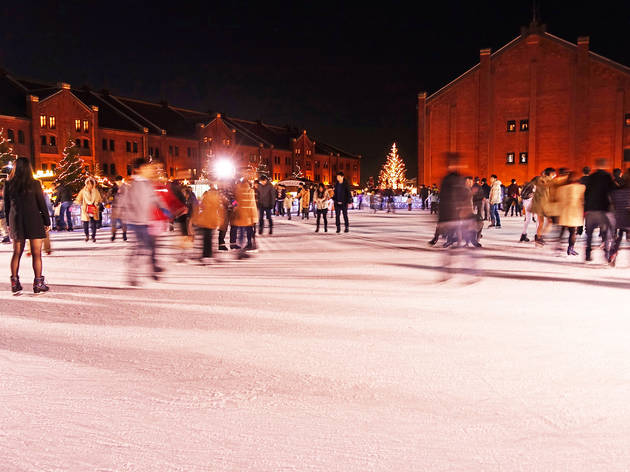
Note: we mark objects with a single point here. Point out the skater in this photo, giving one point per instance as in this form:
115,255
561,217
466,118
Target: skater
288,204
245,217
409,202
63,197
342,197
621,201
4,232
513,193
527,194
114,196
320,200
541,202
208,217
27,218
266,198
495,201
305,201
138,207
597,208
571,206
281,194
88,198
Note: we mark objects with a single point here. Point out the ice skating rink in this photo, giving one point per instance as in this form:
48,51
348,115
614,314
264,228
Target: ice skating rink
323,352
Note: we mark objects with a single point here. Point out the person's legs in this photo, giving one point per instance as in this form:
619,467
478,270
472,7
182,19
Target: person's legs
86,229
46,243
261,220
319,216
66,208
93,224
207,242
36,252
572,238
268,211
18,249
540,225
528,215
591,224
325,215
337,215
345,217
496,216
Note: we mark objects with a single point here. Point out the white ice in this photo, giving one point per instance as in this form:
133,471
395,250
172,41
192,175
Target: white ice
324,352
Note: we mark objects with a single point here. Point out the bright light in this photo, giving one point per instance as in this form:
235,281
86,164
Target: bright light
224,169
41,173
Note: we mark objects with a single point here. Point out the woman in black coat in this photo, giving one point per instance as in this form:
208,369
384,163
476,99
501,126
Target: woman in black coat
27,218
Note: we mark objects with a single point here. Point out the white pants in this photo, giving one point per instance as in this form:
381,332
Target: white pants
527,207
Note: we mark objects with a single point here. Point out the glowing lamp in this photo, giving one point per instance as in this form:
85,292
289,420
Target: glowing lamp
224,169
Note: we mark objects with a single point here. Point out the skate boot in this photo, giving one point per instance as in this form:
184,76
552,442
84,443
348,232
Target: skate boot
524,239
16,286
39,285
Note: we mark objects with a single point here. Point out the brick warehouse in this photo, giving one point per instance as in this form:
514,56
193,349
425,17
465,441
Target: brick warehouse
537,102
112,131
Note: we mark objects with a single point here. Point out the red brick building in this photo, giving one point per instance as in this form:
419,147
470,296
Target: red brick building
537,102
112,131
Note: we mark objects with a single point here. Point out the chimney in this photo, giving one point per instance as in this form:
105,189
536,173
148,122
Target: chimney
63,85
583,42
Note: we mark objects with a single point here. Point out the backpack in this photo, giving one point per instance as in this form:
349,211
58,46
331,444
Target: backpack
528,190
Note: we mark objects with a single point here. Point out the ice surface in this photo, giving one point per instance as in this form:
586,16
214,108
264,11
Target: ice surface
324,352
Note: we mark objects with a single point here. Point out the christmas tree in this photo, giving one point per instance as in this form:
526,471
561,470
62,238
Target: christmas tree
71,170
393,173
6,151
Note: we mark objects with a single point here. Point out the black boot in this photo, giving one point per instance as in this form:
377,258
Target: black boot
524,238
39,285
16,286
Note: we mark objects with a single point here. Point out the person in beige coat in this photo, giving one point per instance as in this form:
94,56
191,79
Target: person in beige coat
88,198
245,216
305,201
570,199
209,215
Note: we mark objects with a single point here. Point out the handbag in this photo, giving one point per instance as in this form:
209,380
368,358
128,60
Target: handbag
90,210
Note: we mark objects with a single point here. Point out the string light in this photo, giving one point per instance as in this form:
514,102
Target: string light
394,172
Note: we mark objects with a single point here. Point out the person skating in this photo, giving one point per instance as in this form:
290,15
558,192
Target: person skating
208,217
527,195
495,201
541,203
27,218
114,196
88,198
597,208
571,210
342,197
304,196
245,216
138,207
320,200
4,232
266,198
281,194
513,192
486,199
63,197
621,202
288,204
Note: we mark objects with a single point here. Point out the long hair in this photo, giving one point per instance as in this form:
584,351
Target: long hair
21,177
321,190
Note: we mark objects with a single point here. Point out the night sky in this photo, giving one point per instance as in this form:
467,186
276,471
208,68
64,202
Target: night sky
347,73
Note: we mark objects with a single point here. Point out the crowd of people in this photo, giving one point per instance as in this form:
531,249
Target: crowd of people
148,205
574,204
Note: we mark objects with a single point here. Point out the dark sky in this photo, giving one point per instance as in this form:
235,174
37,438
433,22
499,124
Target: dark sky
348,73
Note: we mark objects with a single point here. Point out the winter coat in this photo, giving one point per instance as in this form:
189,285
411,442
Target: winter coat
245,212
321,202
26,214
495,193
621,201
266,195
453,197
85,198
63,194
140,202
485,188
288,201
540,200
513,191
342,194
305,196
571,205
211,212
599,186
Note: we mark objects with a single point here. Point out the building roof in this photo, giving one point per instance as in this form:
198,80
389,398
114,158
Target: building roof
130,114
539,30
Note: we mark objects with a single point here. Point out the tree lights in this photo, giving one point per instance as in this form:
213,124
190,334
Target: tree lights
393,173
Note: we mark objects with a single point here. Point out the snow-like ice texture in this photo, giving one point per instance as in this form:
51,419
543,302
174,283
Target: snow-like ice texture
324,352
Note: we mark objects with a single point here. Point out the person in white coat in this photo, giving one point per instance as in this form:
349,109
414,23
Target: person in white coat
495,201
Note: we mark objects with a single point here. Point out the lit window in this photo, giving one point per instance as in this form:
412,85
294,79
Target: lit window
627,119
86,126
53,141
522,158
52,122
509,159
11,135
42,121
524,125
20,136
77,125
511,126
227,142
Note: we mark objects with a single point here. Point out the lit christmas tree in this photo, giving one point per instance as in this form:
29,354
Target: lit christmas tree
7,155
393,173
71,170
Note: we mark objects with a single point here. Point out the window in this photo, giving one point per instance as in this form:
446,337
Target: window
511,126
52,122
188,151
104,169
524,125
135,147
86,126
171,171
287,160
111,144
53,141
325,165
227,142
77,142
522,158
626,119
157,152
53,167
308,165
86,143
42,121
177,150
44,167
355,168
104,144
20,136
43,138
128,146
170,150
11,135
308,152
112,169
509,158
77,125
128,170
297,151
